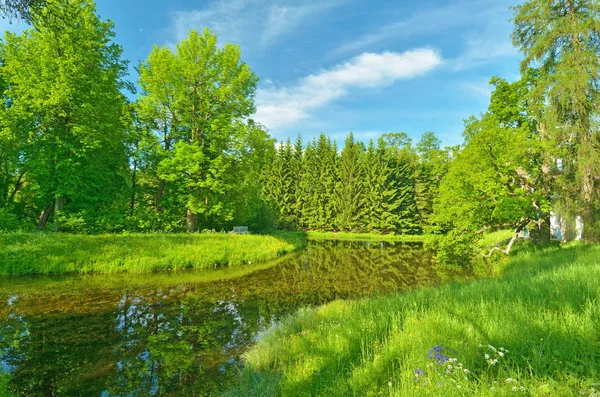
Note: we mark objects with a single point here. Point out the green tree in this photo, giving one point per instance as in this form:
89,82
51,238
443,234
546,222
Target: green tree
280,186
431,167
208,90
349,190
308,203
403,161
296,174
326,153
23,9
495,179
64,84
382,204
561,39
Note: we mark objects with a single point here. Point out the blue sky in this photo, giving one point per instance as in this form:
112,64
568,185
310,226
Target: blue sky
336,66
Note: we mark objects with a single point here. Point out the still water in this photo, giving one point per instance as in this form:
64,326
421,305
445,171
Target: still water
178,333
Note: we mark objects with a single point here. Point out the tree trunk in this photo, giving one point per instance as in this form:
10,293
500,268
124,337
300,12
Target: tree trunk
133,181
44,216
161,190
59,203
514,238
541,234
590,231
191,222
17,187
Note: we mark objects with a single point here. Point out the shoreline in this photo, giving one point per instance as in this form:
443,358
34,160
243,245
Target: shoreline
61,253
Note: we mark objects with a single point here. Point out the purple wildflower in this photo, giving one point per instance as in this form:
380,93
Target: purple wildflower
436,354
418,372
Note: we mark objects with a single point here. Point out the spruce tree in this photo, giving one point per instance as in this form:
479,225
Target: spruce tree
373,186
402,160
349,190
296,175
431,167
326,183
308,193
277,186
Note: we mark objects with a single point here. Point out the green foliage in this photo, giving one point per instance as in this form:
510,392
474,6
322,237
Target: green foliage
455,249
197,97
23,9
349,190
497,177
359,189
59,74
432,166
560,39
10,222
353,347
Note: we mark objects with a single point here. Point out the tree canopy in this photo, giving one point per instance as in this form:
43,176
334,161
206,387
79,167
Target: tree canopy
185,154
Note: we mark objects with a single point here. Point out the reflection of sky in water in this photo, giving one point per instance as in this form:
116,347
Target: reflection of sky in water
148,336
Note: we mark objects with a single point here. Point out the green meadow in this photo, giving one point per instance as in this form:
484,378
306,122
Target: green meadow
350,236
58,253
534,331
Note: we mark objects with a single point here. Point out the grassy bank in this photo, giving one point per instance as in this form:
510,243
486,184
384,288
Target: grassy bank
493,237
54,253
348,236
538,326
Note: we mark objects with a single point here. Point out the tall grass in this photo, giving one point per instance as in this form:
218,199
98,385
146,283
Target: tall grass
545,311
350,236
57,253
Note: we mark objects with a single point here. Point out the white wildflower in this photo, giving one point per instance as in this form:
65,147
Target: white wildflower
487,356
501,354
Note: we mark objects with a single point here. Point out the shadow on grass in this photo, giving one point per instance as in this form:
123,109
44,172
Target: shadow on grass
296,238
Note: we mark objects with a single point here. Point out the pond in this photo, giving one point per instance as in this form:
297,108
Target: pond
179,333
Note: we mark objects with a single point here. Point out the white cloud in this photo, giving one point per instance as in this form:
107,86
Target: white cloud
251,23
427,21
281,106
486,24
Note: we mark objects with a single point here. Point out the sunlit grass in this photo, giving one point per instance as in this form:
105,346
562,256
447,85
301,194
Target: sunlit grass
56,253
496,236
545,311
349,236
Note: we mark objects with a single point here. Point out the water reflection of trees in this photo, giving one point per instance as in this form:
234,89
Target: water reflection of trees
186,338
